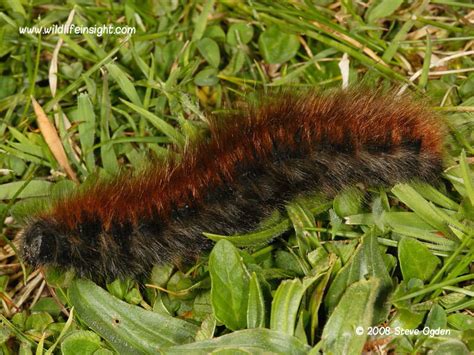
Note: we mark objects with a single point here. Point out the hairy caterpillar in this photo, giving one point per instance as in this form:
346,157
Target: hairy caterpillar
251,163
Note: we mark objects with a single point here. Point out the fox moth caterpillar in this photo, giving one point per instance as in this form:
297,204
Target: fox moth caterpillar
251,163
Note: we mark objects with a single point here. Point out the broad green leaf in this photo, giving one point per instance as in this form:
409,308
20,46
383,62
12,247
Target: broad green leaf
263,236
129,329
251,341
160,274
20,151
407,319
348,202
80,342
119,287
276,46
382,8
366,262
210,51
407,219
461,321
39,321
346,329
286,303
253,238
35,188
47,304
239,33
180,282
288,261
215,32
208,326
133,296
25,349
416,261
57,277
436,318
206,77
7,86
256,304
300,331
302,219
317,296
229,285
86,119
202,305
450,347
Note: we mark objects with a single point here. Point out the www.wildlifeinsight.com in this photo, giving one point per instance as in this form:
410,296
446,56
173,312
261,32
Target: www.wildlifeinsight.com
251,163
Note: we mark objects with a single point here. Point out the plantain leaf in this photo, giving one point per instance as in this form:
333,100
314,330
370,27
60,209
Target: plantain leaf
250,341
436,318
346,329
129,329
416,261
229,285
302,221
286,303
348,202
256,304
366,262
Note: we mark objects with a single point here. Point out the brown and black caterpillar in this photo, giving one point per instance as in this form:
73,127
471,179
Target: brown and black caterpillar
251,163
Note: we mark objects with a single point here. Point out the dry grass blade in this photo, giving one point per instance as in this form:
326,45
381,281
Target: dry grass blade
344,68
369,52
53,68
52,139
436,64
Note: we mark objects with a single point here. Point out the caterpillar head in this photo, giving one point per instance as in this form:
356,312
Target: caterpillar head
41,241
86,248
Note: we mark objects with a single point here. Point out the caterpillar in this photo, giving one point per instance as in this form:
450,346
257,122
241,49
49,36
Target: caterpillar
252,161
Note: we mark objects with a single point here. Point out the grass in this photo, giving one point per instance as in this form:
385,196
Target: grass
401,258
